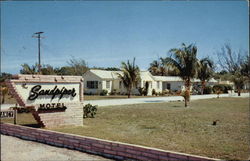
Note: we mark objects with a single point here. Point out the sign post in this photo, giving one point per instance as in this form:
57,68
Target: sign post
15,114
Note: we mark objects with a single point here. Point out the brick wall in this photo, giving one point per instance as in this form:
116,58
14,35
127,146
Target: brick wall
109,149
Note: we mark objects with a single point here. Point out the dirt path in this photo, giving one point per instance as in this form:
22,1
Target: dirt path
15,149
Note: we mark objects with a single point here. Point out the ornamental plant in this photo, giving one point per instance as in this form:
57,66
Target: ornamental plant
89,110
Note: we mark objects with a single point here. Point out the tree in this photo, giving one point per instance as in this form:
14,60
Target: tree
26,69
157,68
130,75
205,72
78,66
245,68
238,80
5,76
185,63
108,68
230,60
154,67
48,70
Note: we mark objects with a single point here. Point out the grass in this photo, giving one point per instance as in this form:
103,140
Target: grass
170,126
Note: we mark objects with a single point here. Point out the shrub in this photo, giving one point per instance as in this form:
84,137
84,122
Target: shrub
104,92
218,87
153,92
113,92
140,90
145,92
227,88
166,91
160,94
208,90
89,110
223,87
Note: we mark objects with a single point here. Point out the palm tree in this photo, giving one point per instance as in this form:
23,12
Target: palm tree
206,68
154,67
26,69
157,68
185,63
130,75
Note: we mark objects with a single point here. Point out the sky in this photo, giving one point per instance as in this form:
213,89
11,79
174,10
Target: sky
105,33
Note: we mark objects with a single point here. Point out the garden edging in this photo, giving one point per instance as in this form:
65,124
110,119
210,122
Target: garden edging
109,149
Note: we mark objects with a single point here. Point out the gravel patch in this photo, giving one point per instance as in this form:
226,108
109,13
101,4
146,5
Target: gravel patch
15,149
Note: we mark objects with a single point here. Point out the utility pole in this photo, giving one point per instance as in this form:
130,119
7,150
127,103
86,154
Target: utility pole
38,36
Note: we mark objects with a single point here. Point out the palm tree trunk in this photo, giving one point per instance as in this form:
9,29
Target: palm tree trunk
186,104
203,87
3,100
239,91
129,92
187,92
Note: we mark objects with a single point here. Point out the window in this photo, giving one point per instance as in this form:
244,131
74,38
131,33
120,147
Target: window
92,84
168,86
158,84
107,84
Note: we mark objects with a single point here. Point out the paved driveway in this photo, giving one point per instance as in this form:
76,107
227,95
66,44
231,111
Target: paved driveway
111,102
15,149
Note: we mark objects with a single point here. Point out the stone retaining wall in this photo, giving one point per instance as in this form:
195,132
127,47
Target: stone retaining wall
109,149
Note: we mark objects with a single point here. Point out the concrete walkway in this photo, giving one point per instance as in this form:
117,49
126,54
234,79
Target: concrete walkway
125,101
112,102
15,149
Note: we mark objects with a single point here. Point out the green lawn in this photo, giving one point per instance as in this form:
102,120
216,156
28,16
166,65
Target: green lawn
170,126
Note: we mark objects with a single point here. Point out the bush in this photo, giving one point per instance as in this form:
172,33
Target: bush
223,87
227,88
208,90
160,94
113,92
140,90
104,92
166,91
89,110
145,92
154,92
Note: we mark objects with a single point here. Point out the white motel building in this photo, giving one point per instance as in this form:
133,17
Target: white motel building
96,80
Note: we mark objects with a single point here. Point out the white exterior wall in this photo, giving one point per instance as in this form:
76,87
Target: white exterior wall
104,85
92,77
156,87
176,86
